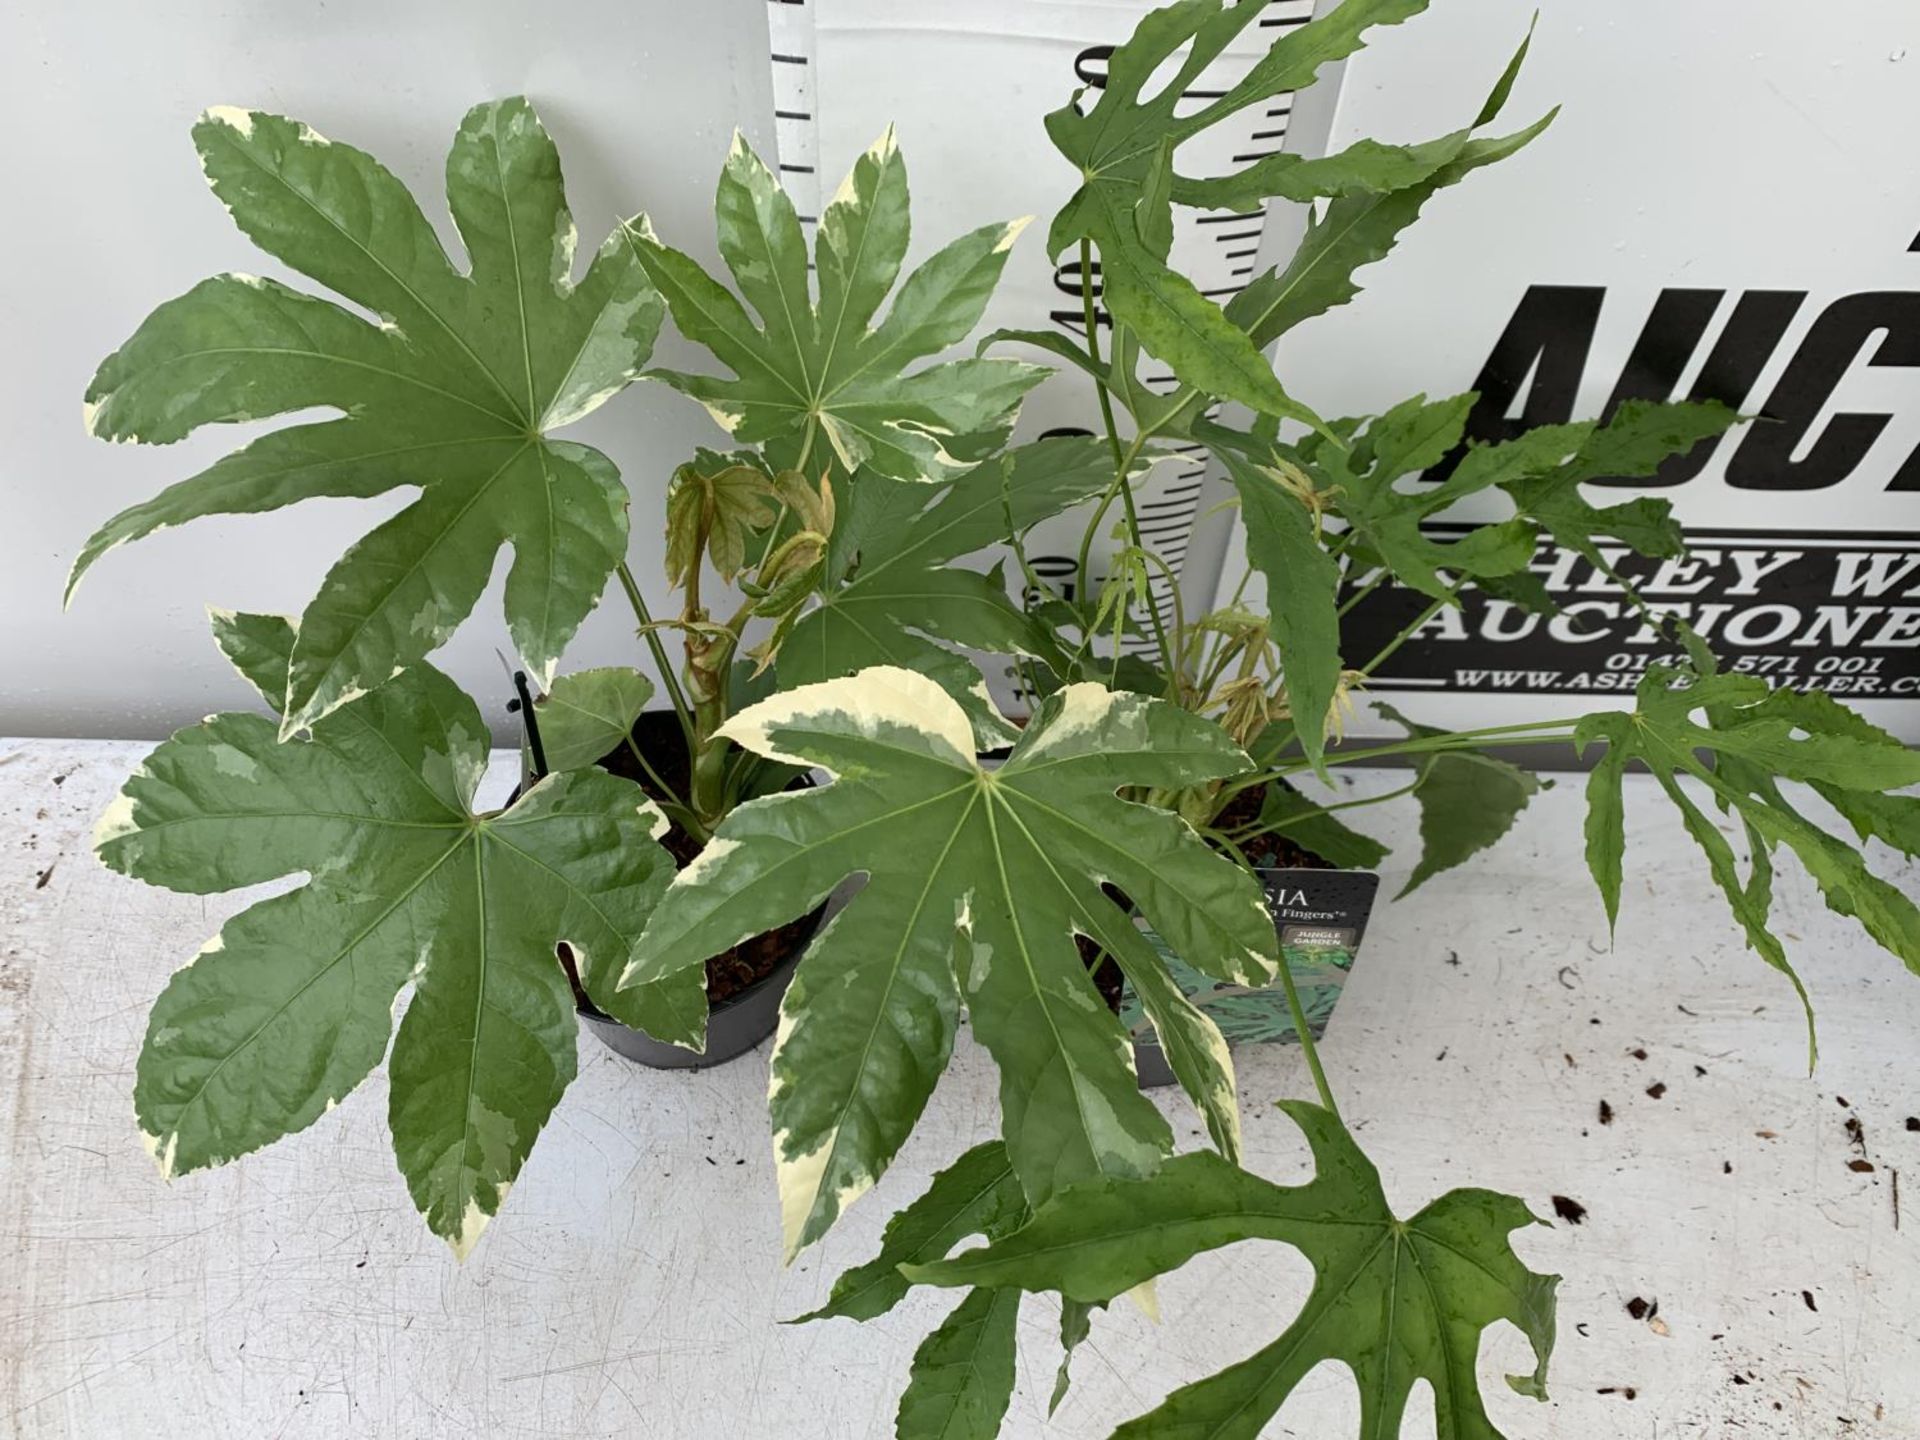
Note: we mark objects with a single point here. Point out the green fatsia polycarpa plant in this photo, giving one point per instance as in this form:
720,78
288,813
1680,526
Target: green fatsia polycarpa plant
292,1003
455,389
1342,504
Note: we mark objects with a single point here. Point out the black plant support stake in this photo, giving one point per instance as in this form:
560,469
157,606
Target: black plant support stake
524,705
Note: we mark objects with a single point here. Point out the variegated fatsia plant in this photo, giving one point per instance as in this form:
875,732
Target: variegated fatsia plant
865,469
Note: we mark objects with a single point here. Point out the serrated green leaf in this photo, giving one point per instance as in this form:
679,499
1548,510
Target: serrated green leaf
1642,433
1175,322
1366,167
1468,801
1605,828
907,603
962,1378
1388,525
1303,582
1361,227
455,391
1412,435
1395,1301
291,1004
1755,738
1285,811
977,1194
1124,148
962,1373
1362,485
976,882
1056,344
1874,814
821,378
1542,471
1076,1324
589,714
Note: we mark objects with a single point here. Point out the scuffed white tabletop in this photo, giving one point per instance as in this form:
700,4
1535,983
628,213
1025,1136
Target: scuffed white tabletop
631,1285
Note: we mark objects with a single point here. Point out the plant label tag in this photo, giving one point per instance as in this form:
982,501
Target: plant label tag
1321,917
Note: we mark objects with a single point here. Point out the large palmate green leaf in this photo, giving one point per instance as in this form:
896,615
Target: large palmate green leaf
906,603
1754,738
291,1004
977,880
820,378
455,391
1395,1301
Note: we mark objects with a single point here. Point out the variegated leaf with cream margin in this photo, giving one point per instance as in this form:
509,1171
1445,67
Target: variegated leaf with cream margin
455,391
292,1003
977,879
819,378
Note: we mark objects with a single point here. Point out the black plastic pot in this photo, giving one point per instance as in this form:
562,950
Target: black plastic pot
741,1021
734,1026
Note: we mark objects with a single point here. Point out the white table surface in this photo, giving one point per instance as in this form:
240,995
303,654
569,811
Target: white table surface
631,1285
